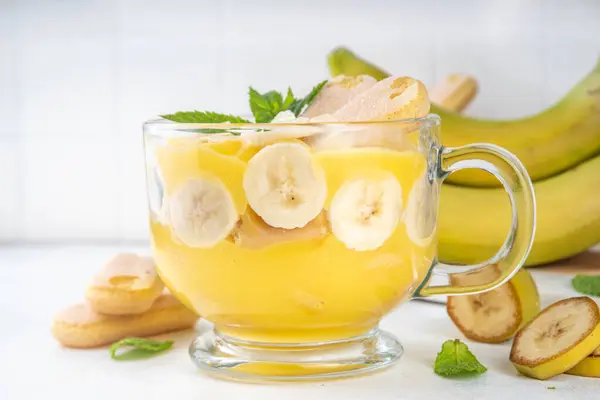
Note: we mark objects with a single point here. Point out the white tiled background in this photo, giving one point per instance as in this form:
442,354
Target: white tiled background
78,78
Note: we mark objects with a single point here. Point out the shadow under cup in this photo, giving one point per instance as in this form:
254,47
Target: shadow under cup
299,301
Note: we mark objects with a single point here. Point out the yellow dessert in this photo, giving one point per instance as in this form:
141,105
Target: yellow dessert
305,271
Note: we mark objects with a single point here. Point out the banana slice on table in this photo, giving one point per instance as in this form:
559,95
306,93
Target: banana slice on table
494,316
589,366
364,213
562,335
201,212
285,186
420,215
336,93
390,99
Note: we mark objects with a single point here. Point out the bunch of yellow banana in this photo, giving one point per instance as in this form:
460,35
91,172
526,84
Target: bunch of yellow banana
560,148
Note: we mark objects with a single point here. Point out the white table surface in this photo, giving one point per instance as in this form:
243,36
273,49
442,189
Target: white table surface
37,281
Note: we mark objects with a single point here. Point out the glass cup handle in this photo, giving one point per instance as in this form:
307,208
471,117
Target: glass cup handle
517,184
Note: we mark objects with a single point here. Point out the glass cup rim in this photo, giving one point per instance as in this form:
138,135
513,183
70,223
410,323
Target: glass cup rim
159,125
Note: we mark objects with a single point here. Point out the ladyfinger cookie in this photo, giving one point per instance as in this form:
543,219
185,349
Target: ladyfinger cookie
127,284
79,326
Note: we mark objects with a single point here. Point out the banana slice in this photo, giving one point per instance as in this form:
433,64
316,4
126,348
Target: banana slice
253,233
285,186
201,212
562,335
338,92
365,212
390,99
589,366
494,316
420,215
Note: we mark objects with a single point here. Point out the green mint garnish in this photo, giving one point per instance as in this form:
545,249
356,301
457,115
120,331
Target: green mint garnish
551,387
266,106
455,358
289,99
587,284
137,348
205,117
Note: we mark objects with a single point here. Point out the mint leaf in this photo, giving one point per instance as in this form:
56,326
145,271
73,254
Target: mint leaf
298,105
137,348
289,99
587,284
456,359
265,106
205,117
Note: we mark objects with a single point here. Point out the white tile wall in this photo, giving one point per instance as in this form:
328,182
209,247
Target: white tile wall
78,78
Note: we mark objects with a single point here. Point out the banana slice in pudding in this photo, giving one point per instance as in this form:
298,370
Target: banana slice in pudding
365,212
201,212
285,186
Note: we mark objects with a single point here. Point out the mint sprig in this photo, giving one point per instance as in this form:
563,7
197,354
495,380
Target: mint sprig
266,106
204,117
289,99
586,284
455,359
137,348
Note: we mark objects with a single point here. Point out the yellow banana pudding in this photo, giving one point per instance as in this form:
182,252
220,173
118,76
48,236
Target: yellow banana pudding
296,232
285,243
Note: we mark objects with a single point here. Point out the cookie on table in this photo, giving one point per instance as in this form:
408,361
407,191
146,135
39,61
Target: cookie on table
79,326
127,284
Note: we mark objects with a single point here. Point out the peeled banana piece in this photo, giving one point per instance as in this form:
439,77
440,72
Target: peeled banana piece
562,335
474,222
548,143
202,212
496,315
285,186
454,93
364,213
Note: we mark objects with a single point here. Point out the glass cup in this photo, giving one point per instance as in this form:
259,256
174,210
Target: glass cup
295,240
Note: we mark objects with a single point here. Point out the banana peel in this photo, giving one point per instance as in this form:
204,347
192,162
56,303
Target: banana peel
547,143
473,223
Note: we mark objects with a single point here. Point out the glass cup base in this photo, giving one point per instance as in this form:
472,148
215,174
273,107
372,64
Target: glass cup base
229,358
